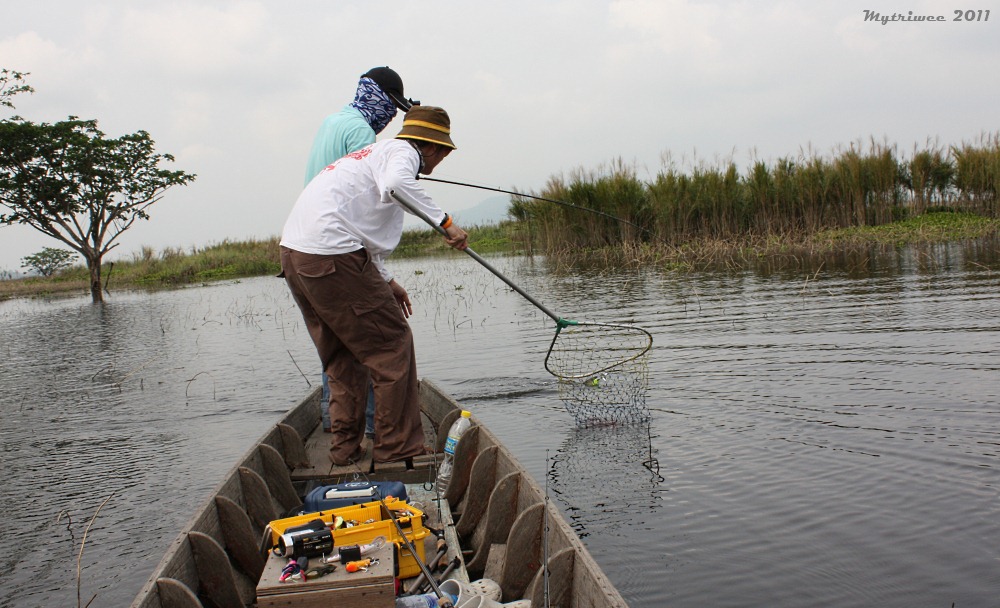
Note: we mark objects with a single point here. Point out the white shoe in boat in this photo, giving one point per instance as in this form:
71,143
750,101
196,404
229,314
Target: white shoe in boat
481,601
467,591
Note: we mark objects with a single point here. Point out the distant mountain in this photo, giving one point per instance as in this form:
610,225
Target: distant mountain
490,211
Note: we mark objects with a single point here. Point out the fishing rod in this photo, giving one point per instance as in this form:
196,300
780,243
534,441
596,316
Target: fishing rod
537,198
545,535
444,600
580,350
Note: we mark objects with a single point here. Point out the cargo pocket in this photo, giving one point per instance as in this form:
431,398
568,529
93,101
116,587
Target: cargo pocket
380,317
317,268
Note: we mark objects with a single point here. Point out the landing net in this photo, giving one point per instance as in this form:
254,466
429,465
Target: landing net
603,371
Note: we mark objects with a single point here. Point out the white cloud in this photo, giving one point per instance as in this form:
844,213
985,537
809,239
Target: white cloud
670,26
236,90
54,67
29,51
187,39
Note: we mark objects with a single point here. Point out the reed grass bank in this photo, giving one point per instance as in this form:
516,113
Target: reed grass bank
791,198
793,209
788,251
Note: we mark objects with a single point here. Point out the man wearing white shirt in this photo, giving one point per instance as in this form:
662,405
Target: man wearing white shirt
333,248
378,97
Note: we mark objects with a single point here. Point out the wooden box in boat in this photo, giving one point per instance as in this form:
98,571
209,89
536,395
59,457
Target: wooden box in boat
373,588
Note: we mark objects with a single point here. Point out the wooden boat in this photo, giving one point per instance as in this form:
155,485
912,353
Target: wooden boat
496,521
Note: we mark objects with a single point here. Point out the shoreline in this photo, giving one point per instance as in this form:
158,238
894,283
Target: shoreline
235,260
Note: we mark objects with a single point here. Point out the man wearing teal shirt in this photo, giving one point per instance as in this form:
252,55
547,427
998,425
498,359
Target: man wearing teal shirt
379,95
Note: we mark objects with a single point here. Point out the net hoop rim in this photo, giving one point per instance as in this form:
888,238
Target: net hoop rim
562,323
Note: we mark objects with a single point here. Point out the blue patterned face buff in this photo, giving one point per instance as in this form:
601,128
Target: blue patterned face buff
374,105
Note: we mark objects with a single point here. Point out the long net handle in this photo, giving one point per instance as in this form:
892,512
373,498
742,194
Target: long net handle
409,204
602,348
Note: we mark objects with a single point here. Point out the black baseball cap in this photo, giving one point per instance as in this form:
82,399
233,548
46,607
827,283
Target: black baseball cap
392,85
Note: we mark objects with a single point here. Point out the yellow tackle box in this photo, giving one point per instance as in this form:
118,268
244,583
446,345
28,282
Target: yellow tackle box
364,523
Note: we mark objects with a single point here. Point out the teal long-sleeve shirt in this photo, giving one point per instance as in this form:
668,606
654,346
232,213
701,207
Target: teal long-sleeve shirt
340,133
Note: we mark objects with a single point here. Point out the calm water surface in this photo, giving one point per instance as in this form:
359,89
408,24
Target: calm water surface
824,437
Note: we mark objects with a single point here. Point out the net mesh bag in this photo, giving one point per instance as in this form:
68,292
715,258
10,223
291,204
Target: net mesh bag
603,371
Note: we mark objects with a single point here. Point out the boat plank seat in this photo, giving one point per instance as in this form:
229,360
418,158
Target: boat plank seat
241,542
314,461
216,579
279,481
224,552
511,497
317,463
175,594
525,546
260,505
560,567
293,448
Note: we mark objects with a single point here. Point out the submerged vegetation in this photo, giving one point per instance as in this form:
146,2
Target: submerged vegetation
710,216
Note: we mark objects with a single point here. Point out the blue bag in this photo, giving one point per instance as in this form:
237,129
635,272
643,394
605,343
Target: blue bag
324,498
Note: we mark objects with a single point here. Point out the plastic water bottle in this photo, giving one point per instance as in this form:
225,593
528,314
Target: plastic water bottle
454,434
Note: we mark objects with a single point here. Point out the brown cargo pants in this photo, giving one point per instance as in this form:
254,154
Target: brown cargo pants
359,329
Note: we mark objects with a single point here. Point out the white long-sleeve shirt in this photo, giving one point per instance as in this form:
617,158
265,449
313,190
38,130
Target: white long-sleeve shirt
348,205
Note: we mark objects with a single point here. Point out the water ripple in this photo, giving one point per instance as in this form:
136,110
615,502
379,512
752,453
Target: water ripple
818,437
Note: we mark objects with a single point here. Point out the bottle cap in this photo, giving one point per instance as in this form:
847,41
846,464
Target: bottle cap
466,414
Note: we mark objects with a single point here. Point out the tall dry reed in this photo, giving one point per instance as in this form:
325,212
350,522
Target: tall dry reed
861,184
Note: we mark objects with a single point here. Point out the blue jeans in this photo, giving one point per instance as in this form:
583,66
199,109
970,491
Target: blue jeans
369,411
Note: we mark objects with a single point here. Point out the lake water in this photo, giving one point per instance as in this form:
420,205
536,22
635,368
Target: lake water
824,436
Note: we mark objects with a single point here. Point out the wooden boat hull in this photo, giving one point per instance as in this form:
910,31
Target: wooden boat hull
491,510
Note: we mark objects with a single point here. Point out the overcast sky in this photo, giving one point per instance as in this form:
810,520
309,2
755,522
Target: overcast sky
535,89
